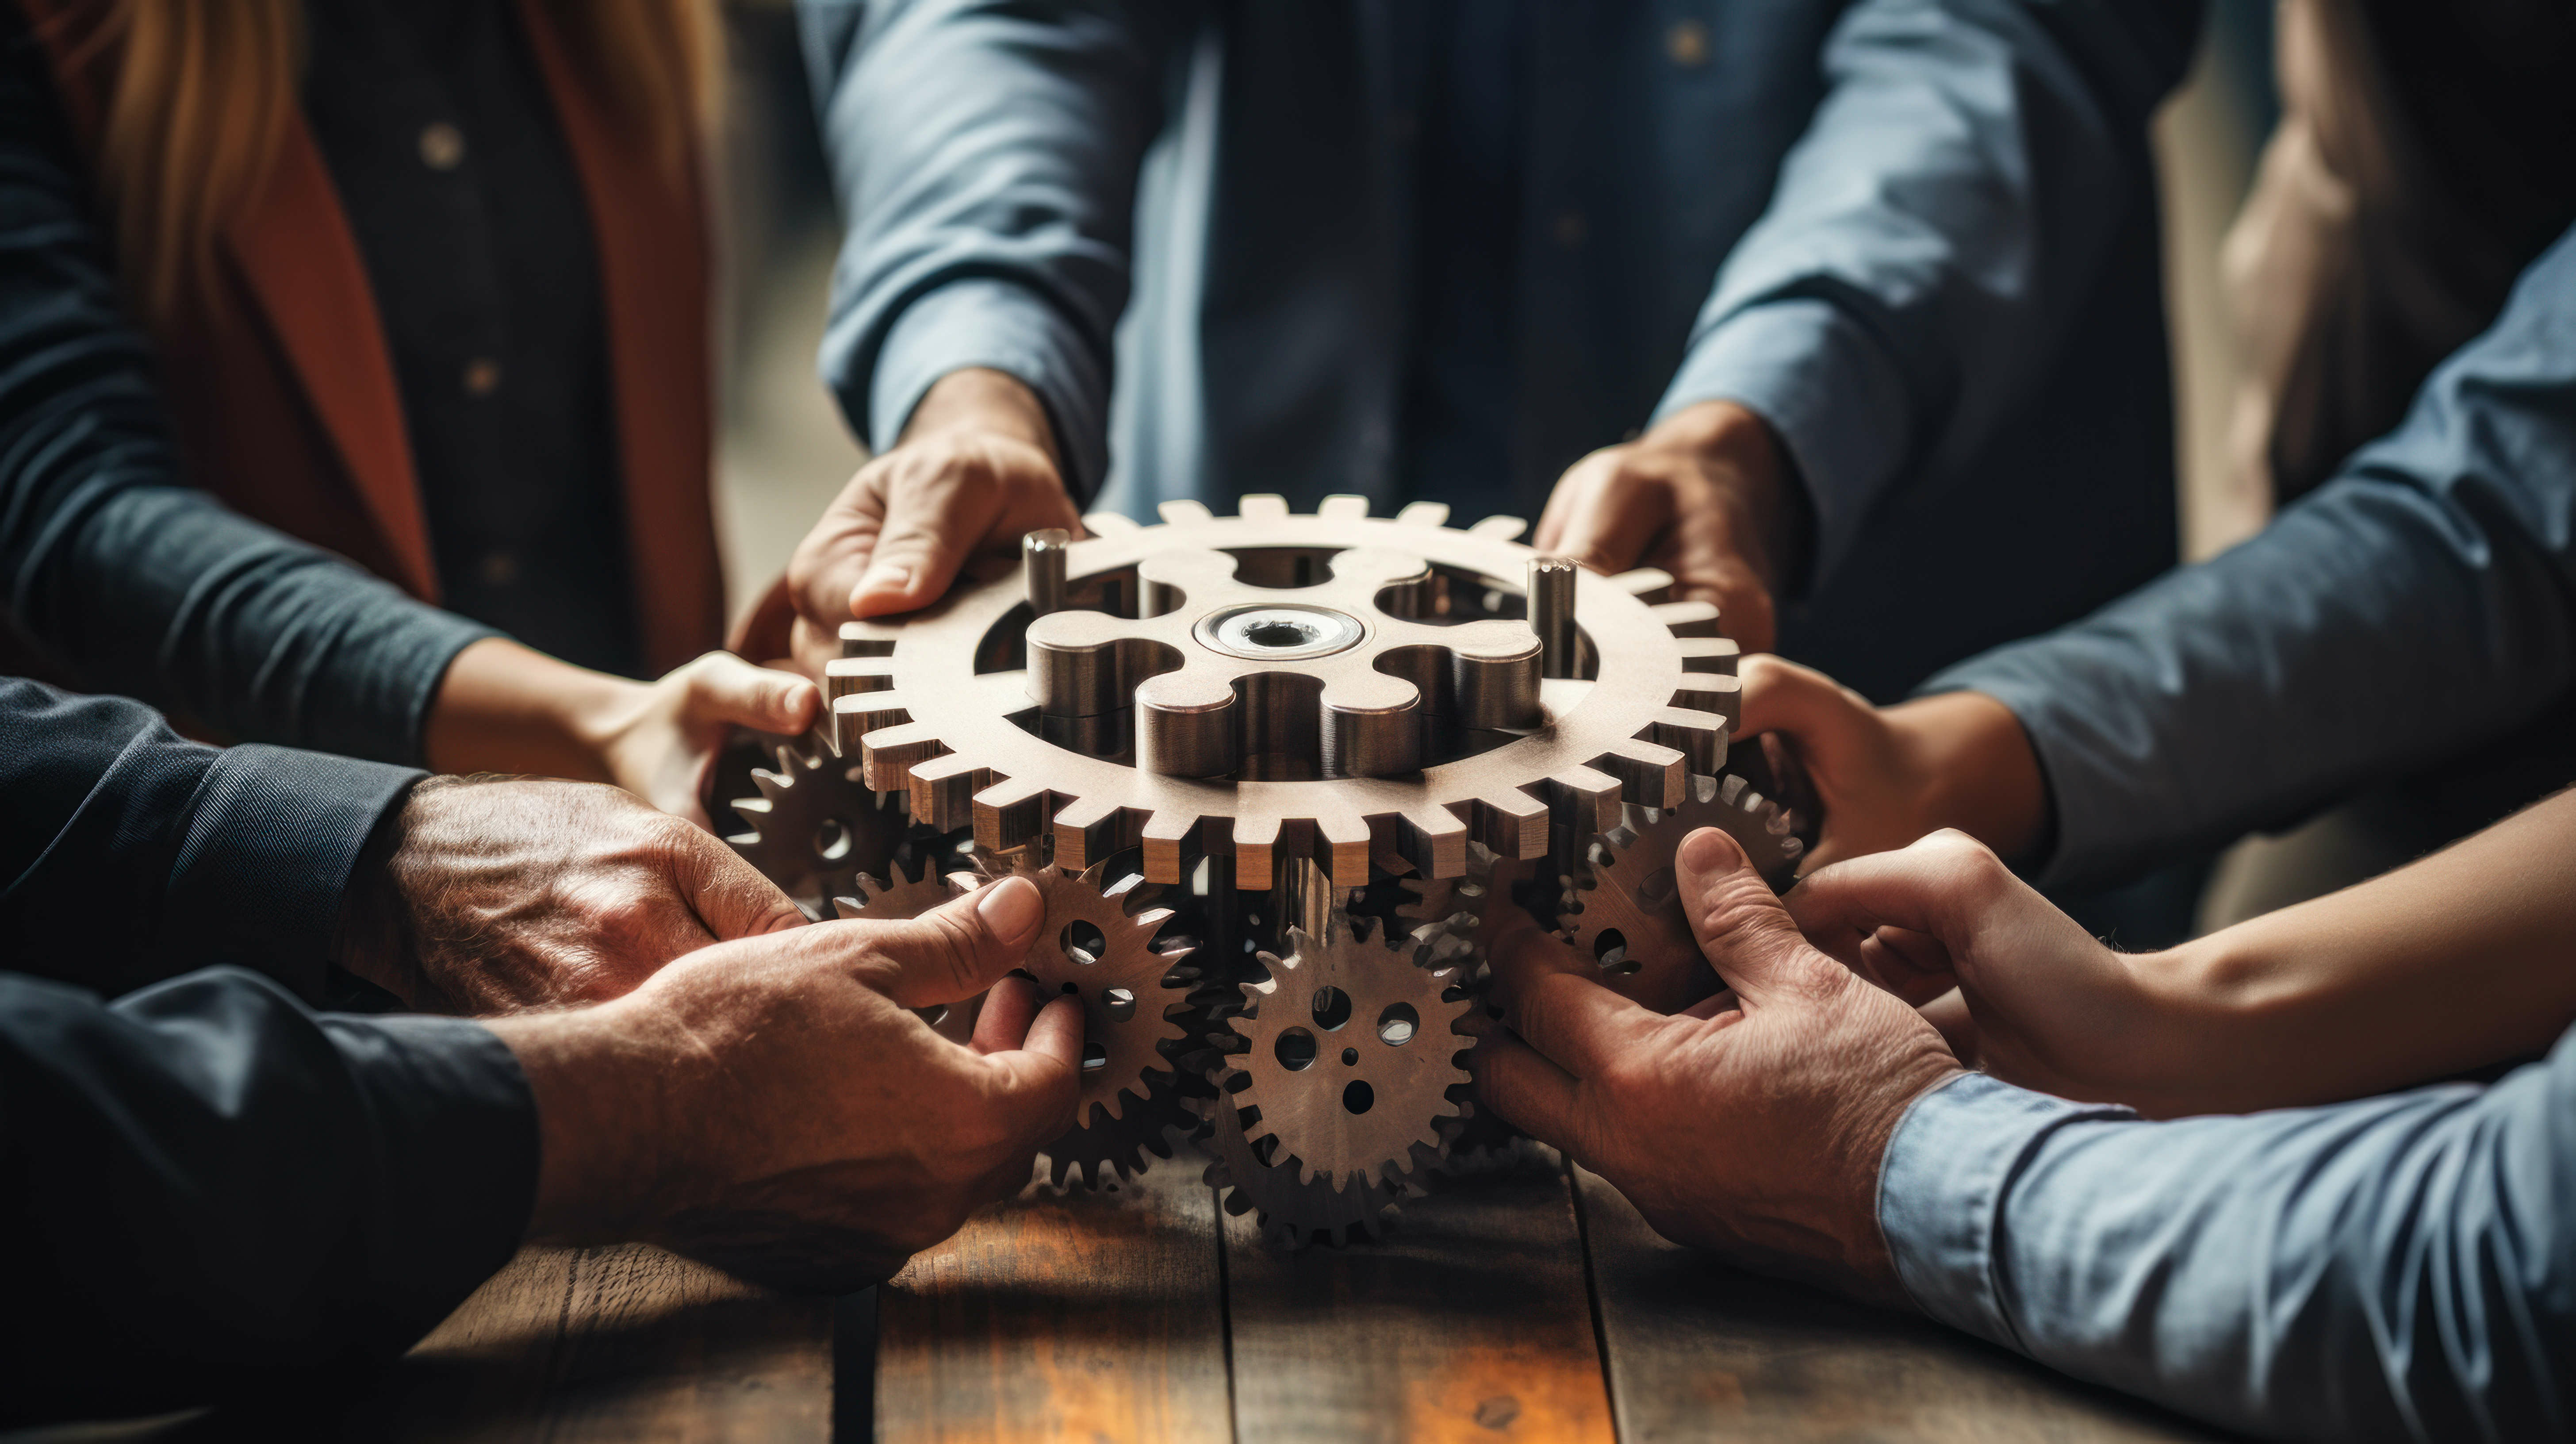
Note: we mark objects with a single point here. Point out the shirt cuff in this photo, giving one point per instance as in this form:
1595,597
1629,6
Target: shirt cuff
998,326
272,836
1829,392
456,1178
1942,1186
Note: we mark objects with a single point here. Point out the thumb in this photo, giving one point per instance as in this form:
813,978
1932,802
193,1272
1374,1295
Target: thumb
724,688
1741,925
957,949
729,895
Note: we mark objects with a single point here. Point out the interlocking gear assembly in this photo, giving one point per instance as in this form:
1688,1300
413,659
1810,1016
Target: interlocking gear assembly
1277,776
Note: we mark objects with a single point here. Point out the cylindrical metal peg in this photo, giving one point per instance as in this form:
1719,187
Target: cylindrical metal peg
1551,612
1042,559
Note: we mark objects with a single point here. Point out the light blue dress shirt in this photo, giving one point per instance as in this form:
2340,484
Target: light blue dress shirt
1917,236
2403,1267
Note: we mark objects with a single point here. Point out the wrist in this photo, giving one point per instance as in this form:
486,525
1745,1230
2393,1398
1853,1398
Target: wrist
505,707
372,937
601,1119
984,402
1741,457
1979,772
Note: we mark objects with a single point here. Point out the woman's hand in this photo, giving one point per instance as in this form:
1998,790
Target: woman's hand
506,708
1884,776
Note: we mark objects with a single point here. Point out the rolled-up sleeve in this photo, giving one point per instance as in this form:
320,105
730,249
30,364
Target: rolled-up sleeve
986,156
2397,1268
1949,208
2420,603
205,1188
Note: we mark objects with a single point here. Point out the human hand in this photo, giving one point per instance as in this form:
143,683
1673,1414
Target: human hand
976,470
503,707
1884,776
1708,496
1751,1125
483,897
773,1107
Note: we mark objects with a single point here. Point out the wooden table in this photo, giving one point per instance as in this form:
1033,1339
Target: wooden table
1532,1304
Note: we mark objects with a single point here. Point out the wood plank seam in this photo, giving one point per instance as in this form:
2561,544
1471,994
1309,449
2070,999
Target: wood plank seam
1592,1295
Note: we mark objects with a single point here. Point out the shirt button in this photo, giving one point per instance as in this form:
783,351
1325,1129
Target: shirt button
482,376
499,569
1571,229
442,146
1686,44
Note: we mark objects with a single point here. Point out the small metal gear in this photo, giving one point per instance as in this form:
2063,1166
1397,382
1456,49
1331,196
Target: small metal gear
910,897
1292,1212
1349,1058
815,825
1098,945
1628,918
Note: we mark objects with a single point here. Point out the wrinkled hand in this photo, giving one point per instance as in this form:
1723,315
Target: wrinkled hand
1753,1124
976,470
484,897
661,741
1707,495
1884,776
773,1106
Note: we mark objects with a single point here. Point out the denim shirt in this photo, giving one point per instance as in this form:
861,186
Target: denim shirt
1918,238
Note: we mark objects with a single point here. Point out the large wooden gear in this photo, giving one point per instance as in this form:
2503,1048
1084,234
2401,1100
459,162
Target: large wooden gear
1338,747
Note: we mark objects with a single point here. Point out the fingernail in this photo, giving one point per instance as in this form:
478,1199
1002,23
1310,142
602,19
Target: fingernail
1709,850
1012,909
885,577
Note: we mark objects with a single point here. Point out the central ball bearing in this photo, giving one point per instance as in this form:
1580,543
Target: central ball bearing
1279,632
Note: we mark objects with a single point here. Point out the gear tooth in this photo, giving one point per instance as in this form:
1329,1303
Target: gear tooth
1343,506
1500,528
1688,619
1424,513
1109,524
1181,511
1647,584
1261,506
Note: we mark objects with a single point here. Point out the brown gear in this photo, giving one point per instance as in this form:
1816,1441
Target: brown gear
1351,1056
1132,995
1632,895
815,825
909,897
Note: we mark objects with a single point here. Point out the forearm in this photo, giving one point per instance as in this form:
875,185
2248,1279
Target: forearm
987,155
2460,961
2395,1268
504,707
211,1187
1952,202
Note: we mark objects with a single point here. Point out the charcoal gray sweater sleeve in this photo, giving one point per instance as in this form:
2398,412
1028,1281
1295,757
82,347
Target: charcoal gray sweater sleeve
2422,602
125,576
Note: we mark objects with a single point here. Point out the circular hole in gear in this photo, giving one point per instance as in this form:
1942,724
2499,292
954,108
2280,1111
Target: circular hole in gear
1659,888
1350,1056
1332,1008
1083,942
1358,1097
832,840
1610,950
1282,634
1296,1050
1120,1003
1094,1057
1397,1025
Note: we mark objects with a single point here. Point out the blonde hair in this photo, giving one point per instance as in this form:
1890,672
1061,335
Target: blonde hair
202,90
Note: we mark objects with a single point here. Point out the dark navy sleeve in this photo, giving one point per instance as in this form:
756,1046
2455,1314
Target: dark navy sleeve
206,1189
2420,603
132,854
110,563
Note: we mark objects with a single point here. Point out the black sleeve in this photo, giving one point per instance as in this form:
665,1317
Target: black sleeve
110,563
131,854
204,1188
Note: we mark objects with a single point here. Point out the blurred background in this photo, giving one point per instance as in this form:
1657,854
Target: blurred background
784,451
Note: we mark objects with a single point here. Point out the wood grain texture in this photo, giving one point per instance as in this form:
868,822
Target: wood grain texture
623,1343
1081,1317
1699,1351
1469,1322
